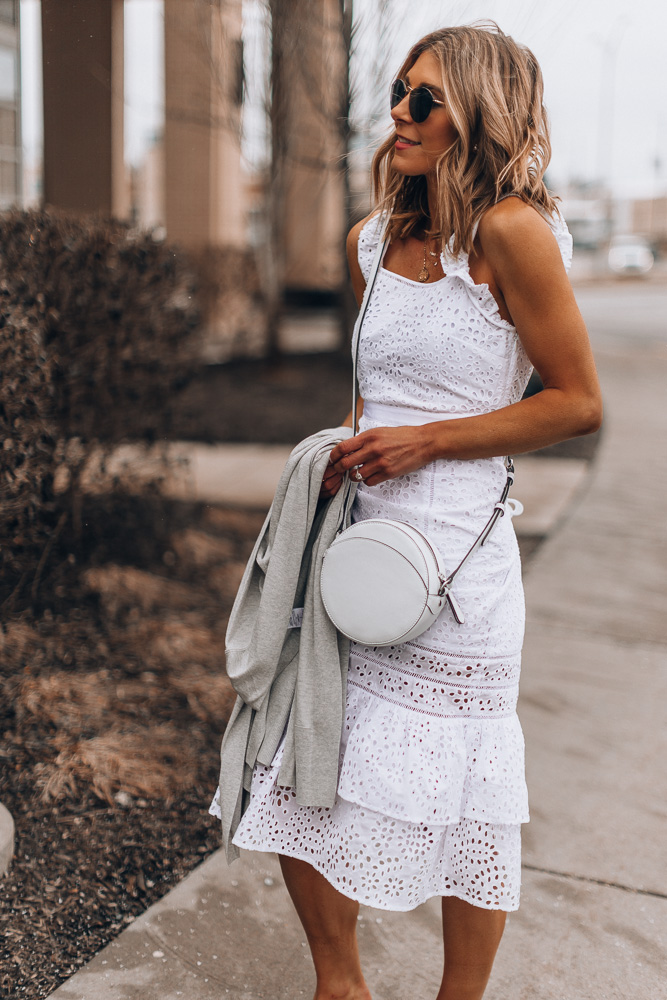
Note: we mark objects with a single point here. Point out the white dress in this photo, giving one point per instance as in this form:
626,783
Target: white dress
431,791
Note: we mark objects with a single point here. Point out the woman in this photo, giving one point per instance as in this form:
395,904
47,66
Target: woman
472,293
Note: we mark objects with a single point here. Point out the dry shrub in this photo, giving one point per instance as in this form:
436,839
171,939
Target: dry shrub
28,511
115,311
153,763
209,696
231,298
98,327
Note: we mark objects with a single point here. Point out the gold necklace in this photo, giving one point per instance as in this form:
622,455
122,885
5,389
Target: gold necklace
424,273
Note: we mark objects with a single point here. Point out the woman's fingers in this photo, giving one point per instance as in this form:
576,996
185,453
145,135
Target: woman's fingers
346,454
326,492
330,473
331,481
382,452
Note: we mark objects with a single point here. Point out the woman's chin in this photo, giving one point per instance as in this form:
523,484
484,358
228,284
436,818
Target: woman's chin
401,165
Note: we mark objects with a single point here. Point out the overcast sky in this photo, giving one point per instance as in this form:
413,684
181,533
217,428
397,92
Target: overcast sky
603,61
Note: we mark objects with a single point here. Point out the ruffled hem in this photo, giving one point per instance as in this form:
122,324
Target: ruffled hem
380,861
421,767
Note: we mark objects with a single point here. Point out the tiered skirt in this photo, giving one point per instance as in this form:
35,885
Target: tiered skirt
431,792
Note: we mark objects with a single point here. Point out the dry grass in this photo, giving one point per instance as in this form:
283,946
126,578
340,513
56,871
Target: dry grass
201,549
113,704
73,643
207,697
177,643
16,639
154,763
149,760
245,523
225,582
125,586
71,702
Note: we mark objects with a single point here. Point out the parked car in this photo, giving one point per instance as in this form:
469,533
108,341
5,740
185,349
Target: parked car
630,255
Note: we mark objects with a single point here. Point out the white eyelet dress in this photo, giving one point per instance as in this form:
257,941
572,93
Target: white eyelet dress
431,791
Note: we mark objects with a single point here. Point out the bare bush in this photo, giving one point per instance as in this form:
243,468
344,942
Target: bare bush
97,330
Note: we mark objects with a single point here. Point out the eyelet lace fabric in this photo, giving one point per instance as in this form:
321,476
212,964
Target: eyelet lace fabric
431,791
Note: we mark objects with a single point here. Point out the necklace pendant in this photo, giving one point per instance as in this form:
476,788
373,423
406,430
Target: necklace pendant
423,274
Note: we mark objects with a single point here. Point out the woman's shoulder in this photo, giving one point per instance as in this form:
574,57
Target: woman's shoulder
513,224
362,241
366,230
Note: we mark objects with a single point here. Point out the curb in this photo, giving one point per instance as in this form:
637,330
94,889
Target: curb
6,839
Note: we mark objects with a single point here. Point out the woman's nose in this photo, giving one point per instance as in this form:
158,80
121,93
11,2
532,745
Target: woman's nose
401,111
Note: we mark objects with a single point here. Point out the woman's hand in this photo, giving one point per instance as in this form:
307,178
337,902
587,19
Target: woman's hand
331,481
383,452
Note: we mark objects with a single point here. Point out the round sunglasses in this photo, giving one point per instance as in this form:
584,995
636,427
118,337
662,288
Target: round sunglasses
420,102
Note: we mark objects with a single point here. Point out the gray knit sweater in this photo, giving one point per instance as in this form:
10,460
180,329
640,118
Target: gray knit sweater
288,679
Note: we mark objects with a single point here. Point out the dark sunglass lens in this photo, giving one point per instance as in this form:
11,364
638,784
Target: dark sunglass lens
398,92
421,102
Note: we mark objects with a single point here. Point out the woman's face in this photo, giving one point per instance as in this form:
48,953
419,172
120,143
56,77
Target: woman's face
426,142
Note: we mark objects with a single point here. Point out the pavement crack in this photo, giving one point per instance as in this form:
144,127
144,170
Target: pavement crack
179,956
596,881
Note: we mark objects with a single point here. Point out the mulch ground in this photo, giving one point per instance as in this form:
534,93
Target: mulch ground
113,696
112,707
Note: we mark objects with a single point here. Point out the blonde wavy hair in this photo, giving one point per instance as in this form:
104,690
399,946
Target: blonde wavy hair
492,89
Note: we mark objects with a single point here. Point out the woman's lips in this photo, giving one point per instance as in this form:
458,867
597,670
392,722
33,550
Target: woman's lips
402,143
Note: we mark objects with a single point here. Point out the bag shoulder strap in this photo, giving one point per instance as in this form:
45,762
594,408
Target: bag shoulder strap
375,267
499,508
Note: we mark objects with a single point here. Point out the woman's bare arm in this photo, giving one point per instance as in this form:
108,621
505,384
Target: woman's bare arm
519,247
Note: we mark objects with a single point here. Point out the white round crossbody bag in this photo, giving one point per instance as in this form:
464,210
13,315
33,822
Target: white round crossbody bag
383,581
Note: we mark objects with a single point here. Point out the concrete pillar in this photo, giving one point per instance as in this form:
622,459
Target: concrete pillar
11,181
311,84
82,55
203,94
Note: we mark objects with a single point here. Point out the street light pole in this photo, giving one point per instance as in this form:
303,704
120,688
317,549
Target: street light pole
609,47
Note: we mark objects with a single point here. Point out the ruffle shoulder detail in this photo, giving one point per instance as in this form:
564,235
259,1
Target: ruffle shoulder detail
372,231
369,237
563,237
457,266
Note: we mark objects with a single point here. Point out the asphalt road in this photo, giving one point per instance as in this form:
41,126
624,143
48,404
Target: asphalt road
632,314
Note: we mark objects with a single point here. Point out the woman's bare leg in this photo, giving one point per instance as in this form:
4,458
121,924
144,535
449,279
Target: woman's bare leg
471,937
330,922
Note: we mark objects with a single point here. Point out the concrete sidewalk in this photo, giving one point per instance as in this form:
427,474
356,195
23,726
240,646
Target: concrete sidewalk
593,920
247,475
